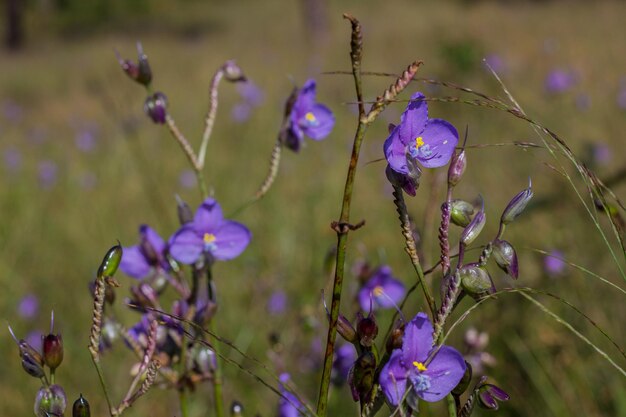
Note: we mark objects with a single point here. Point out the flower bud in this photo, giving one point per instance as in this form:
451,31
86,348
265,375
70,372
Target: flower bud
50,401
471,232
53,350
465,380
517,205
140,71
407,182
461,212
345,329
505,256
361,379
458,164
111,261
476,281
489,395
81,407
232,72
32,362
395,339
366,330
144,296
155,107
185,215
205,360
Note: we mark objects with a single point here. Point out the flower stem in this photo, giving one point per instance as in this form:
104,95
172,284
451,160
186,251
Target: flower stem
210,117
451,405
215,344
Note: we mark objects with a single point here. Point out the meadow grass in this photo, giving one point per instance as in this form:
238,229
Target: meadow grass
52,240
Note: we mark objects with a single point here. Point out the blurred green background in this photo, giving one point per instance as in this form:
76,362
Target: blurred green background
82,166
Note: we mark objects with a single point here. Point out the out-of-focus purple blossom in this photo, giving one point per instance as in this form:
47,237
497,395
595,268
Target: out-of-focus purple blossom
475,343
554,263
28,307
35,339
559,81
147,257
12,111
86,139
419,139
209,234
308,118
12,160
288,405
241,112
277,303
345,356
187,179
583,101
496,62
382,290
47,174
250,93
426,371
601,153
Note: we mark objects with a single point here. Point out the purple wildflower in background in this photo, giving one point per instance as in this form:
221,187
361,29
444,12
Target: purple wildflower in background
47,174
382,290
241,112
250,93
308,118
277,303
35,340
429,142
86,139
187,179
553,263
28,306
496,63
344,359
601,153
426,371
147,257
12,111
12,160
559,81
288,405
209,234
621,98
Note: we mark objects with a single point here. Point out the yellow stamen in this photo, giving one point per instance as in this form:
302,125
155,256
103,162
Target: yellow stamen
419,142
378,291
310,117
208,238
420,366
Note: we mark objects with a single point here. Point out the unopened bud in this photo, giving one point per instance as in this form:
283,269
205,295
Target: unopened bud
50,401
185,215
144,295
489,395
476,281
458,164
232,72
395,339
32,362
366,330
461,212
345,329
205,360
81,407
471,232
517,204
111,261
140,71
409,183
155,107
505,256
361,379
465,380
53,350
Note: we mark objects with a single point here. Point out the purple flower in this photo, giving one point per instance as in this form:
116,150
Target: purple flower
308,118
147,257
426,371
345,356
559,81
241,112
86,139
554,264
277,303
12,160
209,234
250,93
496,63
188,179
289,405
28,306
417,138
47,174
382,290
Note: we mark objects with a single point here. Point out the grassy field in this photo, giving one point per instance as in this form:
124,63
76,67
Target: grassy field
66,200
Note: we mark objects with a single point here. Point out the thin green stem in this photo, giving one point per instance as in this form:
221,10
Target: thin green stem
451,405
215,344
103,384
182,399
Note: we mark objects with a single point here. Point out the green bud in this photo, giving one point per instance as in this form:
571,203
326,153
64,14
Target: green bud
506,258
471,232
50,401
81,407
517,204
111,261
461,212
476,281
53,350
457,168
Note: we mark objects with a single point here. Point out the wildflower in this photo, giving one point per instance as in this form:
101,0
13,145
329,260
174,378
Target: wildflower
417,138
308,118
553,263
12,160
155,107
490,394
345,356
277,303
28,306
52,348
382,290
476,343
50,401
559,81
426,371
209,234
140,71
187,179
147,257
48,171
289,405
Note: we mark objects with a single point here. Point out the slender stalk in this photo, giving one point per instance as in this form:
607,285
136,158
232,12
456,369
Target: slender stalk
451,405
103,384
210,117
217,375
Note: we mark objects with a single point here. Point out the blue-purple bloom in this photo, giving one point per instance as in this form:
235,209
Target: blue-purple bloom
554,264
28,306
12,160
47,174
428,372
344,359
308,118
382,290
147,257
188,179
289,405
209,234
419,139
559,81
277,303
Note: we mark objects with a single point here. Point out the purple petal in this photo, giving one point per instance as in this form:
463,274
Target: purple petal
294,137
306,97
395,152
445,371
418,339
152,237
208,217
134,263
414,119
321,123
393,293
186,246
440,139
392,378
231,239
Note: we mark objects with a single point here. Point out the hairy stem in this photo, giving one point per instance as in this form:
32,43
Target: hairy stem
210,117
